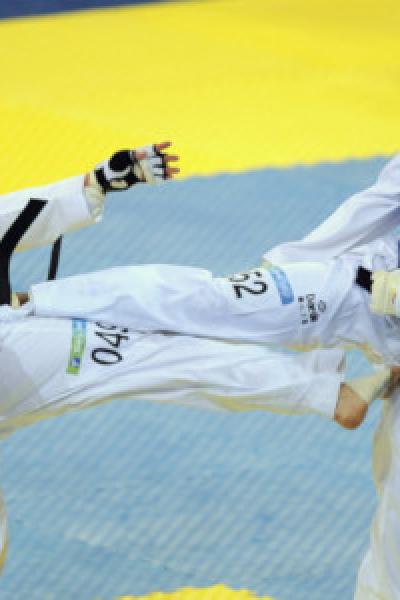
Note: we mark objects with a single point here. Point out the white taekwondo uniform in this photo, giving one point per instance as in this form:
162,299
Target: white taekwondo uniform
67,209
379,573
273,307
307,294
51,364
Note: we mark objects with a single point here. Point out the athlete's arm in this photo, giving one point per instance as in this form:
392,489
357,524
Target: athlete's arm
362,218
78,201
66,209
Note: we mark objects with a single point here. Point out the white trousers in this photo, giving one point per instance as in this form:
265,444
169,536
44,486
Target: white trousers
379,573
49,366
300,303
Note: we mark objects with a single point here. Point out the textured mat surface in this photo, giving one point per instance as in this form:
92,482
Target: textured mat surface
131,499
237,84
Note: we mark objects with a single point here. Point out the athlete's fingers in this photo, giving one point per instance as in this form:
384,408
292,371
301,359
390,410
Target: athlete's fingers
162,146
154,164
170,172
142,153
171,158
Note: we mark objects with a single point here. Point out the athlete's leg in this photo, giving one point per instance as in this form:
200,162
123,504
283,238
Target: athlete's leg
379,574
80,364
294,304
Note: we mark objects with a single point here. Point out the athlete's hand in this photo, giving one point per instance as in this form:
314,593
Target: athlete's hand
149,164
156,162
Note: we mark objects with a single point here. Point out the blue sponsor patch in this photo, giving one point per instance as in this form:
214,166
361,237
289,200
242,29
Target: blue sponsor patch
282,285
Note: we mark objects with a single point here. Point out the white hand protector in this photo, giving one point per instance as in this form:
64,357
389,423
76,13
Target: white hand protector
154,166
125,169
385,293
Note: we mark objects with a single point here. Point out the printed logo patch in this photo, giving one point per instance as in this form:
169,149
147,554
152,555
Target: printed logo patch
282,284
310,310
78,344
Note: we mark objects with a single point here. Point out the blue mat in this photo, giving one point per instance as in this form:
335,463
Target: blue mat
23,8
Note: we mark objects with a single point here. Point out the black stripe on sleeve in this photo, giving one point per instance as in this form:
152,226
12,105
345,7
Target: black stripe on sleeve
10,241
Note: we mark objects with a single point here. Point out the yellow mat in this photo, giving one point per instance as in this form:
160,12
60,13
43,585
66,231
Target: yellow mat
236,83
217,592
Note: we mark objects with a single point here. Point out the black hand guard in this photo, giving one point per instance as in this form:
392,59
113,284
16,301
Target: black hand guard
120,172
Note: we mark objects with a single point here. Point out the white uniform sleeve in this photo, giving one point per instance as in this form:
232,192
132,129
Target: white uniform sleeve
362,218
67,209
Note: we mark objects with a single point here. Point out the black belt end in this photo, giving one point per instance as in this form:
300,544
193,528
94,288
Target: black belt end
364,279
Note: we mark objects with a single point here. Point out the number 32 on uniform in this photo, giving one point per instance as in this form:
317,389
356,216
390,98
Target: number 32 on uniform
248,283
